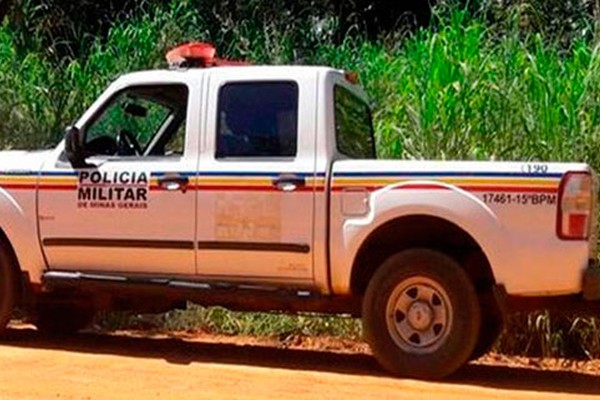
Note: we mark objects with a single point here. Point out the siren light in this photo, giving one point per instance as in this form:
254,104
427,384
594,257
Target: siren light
197,55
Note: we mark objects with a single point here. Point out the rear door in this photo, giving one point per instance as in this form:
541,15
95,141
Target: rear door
132,211
257,178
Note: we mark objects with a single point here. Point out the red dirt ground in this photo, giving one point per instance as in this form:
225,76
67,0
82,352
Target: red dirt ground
190,365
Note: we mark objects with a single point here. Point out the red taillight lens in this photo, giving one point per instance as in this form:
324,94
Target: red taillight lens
575,206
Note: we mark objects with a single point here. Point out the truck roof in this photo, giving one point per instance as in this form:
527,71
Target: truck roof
253,72
193,59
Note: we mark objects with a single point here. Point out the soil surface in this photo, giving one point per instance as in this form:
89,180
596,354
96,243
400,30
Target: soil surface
135,365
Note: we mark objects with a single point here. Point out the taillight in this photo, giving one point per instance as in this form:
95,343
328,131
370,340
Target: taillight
575,205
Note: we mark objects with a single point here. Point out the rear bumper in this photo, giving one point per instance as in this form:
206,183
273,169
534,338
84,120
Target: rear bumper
591,282
586,302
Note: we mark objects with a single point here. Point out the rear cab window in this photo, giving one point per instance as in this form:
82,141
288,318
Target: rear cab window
353,125
257,120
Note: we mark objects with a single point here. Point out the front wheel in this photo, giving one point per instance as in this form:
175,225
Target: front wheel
8,287
421,315
62,319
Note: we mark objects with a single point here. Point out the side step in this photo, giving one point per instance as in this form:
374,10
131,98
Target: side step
233,295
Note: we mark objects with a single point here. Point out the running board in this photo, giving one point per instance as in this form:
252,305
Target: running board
233,295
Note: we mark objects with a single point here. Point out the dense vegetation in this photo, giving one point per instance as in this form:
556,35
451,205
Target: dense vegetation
503,79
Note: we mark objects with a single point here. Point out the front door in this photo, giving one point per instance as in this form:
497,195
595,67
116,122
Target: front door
256,186
130,211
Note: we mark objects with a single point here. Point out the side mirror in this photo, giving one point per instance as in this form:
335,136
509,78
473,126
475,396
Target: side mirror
74,147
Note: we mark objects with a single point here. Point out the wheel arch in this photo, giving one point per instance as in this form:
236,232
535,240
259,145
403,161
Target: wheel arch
19,282
19,233
424,231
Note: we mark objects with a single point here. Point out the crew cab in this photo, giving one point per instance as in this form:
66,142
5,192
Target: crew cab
258,188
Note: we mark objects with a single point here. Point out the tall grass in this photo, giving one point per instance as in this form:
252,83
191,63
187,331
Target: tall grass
466,88
460,92
542,334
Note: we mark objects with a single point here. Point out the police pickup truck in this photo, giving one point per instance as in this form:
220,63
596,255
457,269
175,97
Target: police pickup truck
257,188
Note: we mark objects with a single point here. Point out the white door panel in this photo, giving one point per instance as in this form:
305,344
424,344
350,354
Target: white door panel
255,211
246,227
124,226
134,209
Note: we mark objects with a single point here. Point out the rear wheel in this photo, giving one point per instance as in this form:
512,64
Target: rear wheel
9,287
492,324
421,315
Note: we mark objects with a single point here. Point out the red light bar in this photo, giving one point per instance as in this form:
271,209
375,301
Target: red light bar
197,55
352,77
202,52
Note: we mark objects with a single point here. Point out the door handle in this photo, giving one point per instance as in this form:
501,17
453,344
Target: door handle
289,183
174,182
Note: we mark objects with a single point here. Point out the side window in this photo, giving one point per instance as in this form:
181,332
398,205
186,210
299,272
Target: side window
140,121
257,119
353,126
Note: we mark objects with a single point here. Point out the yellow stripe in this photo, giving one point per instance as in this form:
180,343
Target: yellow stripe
312,181
10,178
451,181
58,181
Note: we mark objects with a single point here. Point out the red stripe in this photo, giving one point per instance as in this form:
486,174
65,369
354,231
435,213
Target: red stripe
431,186
58,187
250,188
423,186
511,189
34,186
127,185
233,188
410,186
19,186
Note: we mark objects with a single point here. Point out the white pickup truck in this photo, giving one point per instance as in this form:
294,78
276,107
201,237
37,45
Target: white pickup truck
257,188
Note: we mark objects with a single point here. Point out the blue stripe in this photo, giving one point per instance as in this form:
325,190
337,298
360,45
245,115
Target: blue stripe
370,174
449,174
18,173
255,174
57,173
162,173
36,173
182,173
237,173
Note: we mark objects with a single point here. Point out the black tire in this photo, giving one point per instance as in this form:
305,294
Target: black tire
9,286
492,324
443,312
62,319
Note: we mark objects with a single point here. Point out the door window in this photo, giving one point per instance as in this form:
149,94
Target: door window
257,119
140,121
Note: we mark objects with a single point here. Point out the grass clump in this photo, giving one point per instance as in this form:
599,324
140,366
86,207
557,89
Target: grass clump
219,320
544,334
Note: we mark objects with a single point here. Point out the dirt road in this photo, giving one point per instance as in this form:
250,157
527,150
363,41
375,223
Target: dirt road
90,366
